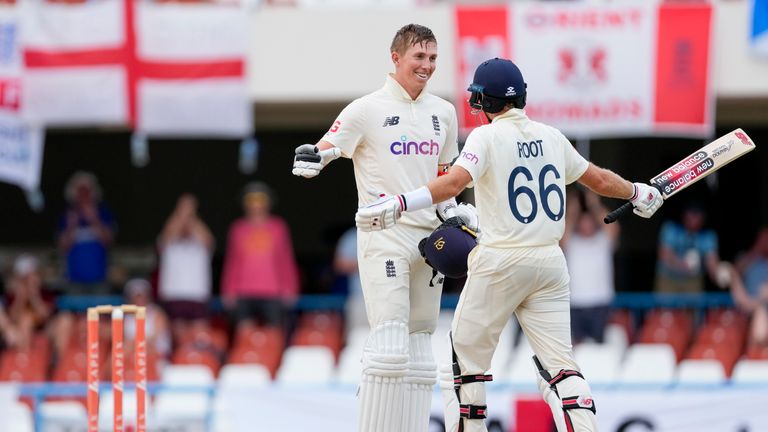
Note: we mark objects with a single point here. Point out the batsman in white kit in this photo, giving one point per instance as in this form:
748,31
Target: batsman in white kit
519,169
398,137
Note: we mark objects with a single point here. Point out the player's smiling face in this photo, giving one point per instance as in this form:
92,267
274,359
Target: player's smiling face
414,67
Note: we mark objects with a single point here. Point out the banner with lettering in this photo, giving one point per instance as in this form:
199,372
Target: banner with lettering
21,145
598,69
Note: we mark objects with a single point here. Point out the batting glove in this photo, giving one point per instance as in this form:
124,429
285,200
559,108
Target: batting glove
309,161
380,215
467,212
646,200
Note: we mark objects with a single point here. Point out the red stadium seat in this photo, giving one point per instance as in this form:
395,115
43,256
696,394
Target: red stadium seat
624,318
330,338
203,336
676,337
193,356
727,317
716,334
248,355
270,338
722,353
321,321
23,365
757,352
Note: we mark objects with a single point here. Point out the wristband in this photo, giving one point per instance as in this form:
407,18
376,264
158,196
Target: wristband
418,199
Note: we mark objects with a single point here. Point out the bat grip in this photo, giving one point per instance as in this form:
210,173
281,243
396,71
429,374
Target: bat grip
616,214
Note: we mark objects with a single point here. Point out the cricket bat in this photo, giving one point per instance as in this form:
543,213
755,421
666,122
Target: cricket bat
695,167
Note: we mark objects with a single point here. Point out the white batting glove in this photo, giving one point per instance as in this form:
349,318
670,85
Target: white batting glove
467,212
309,161
380,215
646,200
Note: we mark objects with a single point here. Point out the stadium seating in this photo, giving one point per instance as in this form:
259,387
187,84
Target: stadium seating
692,371
66,415
648,364
306,366
599,363
750,372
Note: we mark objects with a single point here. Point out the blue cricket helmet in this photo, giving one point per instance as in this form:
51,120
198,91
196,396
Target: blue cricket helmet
447,249
497,82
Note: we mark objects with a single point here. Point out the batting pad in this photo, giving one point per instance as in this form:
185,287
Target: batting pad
385,363
419,382
450,401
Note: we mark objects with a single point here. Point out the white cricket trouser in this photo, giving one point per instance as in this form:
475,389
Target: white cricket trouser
402,299
396,280
530,282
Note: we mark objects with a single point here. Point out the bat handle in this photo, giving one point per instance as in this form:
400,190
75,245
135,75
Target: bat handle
616,214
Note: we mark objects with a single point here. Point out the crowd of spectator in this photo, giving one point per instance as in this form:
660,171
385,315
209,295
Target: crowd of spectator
260,281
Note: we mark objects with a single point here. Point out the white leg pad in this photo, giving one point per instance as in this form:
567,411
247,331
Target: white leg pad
419,383
450,401
385,363
571,403
473,394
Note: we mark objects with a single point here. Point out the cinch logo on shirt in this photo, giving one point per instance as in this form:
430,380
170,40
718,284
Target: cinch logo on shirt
405,147
470,157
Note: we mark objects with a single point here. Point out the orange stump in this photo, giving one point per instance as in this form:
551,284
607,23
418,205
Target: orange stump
118,365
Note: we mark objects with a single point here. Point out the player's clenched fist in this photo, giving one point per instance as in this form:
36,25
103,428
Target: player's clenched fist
380,215
646,200
309,160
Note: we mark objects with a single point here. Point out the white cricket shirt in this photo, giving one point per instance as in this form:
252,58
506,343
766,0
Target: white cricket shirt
519,169
396,143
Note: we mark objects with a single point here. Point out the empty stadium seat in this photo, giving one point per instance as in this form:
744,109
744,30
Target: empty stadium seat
306,365
22,365
260,338
187,375
329,338
239,376
203,336
616,336
247,355
676,337
750,371
62,415
725,354
320,321
727,317
350,366
599,363
17,417
648,364
181,411
695,371
192,355
502,357
757,352
624,319
521,369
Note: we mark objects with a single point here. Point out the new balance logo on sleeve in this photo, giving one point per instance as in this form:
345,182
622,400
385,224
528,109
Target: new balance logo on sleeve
391,121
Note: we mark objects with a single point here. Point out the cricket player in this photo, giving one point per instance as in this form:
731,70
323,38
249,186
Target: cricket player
398,137
519,169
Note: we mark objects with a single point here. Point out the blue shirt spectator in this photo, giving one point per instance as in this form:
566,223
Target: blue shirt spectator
686,250
86,231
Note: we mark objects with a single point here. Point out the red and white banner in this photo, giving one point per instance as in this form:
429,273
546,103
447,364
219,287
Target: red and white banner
21,144
598,70
150,65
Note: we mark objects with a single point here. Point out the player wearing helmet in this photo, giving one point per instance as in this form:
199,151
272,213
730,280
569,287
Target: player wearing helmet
519,169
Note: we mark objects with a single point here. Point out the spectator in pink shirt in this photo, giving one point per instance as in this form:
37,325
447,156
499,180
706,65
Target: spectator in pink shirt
260,279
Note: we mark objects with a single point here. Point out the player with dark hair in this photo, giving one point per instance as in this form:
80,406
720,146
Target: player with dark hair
519,168
398,137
